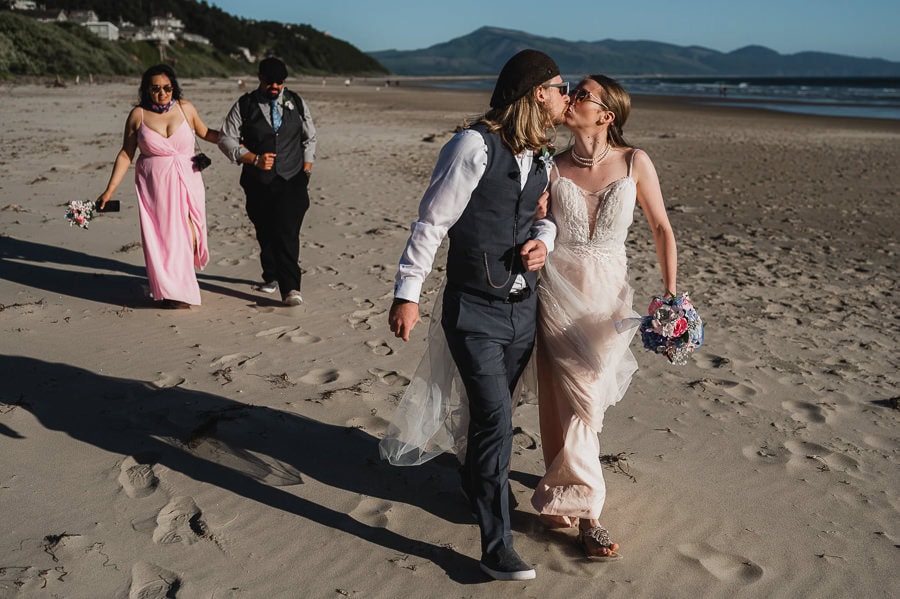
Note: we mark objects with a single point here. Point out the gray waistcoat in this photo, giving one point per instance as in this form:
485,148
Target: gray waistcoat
259,137
485,241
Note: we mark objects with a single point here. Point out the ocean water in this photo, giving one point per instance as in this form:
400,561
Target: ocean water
854,97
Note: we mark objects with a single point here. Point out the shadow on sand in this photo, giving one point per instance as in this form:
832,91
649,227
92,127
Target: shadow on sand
252,451
103,280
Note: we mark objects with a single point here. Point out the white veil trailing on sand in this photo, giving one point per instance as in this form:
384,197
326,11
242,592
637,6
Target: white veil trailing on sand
433,414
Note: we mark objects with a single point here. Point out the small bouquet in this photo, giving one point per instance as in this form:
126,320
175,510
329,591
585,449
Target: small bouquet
672,328
80,212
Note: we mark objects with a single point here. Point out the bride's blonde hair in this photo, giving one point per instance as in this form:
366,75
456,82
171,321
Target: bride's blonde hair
618,102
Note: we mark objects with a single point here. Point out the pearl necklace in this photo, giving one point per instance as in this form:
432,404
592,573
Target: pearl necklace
584,161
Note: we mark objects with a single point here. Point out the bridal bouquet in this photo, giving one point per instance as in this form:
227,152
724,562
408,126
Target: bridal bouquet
672,328
80,212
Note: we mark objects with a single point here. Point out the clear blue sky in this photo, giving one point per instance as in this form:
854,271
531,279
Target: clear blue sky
864,28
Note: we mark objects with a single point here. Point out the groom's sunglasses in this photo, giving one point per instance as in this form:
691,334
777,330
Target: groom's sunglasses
562,87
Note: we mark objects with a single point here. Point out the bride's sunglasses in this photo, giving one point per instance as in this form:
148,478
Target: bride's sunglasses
580,95
155,89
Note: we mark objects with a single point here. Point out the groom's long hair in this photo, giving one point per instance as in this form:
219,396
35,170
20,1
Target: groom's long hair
522,125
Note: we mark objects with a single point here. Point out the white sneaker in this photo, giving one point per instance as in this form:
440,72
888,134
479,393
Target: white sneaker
293,298
269,287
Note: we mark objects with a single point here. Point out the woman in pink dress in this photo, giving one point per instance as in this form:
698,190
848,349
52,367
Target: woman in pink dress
584,364
170,191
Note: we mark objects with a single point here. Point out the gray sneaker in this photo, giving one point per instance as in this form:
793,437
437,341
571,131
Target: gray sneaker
268,287
293,298
505,564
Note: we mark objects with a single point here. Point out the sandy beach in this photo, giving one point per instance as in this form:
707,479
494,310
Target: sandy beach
230,450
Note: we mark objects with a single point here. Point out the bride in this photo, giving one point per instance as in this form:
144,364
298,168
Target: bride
583,361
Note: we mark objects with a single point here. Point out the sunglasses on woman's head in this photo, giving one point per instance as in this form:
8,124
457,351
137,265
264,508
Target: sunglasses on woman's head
581,94
155,89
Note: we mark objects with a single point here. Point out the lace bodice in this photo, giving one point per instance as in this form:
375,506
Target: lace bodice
589,220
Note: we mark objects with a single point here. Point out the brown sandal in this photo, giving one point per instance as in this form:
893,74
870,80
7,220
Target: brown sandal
593,541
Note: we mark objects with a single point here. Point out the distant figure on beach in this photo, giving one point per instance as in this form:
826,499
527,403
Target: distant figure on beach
170,191
267,119
484,195
583,361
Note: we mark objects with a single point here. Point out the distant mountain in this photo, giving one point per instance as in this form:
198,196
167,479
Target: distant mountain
484,51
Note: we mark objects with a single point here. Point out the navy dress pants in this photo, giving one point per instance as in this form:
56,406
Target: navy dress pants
276,210
491,342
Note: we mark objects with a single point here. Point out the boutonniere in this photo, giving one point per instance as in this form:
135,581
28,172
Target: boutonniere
545,155
289,105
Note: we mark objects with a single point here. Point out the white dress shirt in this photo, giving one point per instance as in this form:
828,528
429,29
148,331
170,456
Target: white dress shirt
459,169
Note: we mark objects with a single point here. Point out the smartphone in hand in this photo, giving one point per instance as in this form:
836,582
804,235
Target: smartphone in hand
111,206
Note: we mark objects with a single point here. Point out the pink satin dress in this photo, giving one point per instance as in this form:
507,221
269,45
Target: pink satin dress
172,206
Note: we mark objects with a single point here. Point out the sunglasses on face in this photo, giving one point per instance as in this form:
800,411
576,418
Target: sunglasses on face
155,89
268,83
562,87
581,94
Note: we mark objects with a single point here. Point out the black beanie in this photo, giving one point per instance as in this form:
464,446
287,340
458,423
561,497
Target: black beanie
272,70
522,73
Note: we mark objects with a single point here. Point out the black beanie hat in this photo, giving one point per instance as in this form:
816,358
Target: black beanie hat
272,70
522,73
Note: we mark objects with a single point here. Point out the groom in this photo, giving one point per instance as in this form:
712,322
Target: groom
484,194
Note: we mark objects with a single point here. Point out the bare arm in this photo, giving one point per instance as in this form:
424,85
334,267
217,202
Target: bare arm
649,196
197,124
124,157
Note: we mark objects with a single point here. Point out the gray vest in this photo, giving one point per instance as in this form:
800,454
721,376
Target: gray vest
486,240
259,137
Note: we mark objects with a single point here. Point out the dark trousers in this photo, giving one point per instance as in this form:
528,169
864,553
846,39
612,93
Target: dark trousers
491,342
277,209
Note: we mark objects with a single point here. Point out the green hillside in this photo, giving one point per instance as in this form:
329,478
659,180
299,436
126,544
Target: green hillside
32,48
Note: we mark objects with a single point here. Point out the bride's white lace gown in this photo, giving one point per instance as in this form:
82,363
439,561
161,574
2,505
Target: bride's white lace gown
584,364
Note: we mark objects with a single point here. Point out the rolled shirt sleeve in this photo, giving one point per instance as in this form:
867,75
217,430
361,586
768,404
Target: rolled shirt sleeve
309,134
230,135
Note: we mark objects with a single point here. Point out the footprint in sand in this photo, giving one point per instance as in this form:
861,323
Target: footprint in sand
341,286
708,360
806,412
740,391
724,566
320,376
373,512
765,454
167,381
524,439
389,377
806,454
179,522
292,334
326,270
359,320
233,360
149,581
363,302
380,347
230,262
137,477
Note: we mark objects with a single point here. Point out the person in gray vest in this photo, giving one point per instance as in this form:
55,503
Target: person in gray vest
270,132
484,195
